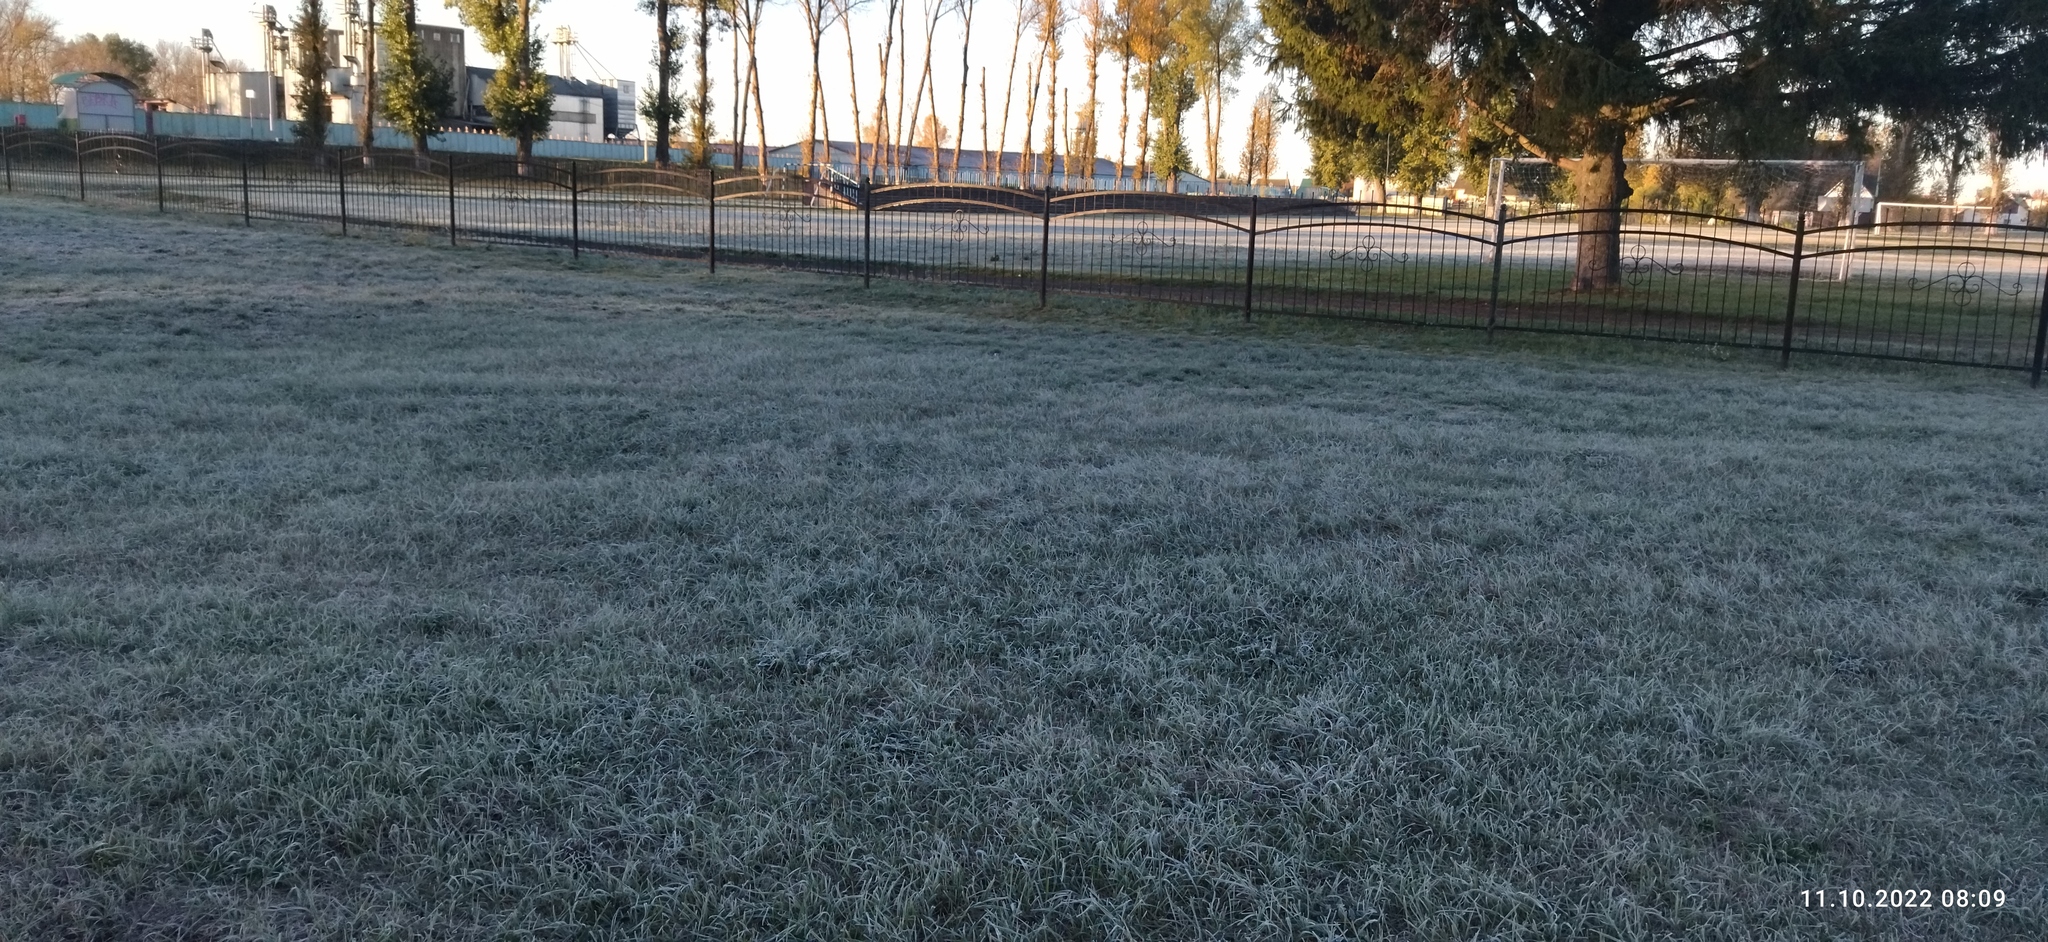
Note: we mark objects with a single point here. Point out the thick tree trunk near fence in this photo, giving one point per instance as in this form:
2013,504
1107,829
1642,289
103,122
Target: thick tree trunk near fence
1602,189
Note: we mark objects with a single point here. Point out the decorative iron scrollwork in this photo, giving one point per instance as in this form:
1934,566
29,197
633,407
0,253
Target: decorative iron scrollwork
1368,253
790,220
1637,264
958,223
1143,239
1965,284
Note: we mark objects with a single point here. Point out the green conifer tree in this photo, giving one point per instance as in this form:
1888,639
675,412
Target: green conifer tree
310,64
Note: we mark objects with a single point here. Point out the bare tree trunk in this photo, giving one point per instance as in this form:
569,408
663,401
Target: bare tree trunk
1602,189
853,95
1009,88
932,98
811,119
1212,105
760,115
1027,163
523,150
1066,136
739,97
960,123
366,128
700,108
824,125
750,33
902,79
1145,126
664,54
932,12
815,25
875,161
1090,129
1052,84
985,181
1123,123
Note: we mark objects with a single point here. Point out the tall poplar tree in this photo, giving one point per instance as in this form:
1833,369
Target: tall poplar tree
710,15
366,127
664,110
518,97
418,89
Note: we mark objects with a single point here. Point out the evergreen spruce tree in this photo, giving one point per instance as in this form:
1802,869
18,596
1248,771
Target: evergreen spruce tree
1574,85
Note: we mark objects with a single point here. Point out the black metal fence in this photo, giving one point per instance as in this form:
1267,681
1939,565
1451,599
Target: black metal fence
1955,293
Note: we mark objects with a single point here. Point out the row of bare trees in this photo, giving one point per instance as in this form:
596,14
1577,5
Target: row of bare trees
1169,55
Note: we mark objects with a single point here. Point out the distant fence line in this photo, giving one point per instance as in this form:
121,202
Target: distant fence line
1967,294
466,140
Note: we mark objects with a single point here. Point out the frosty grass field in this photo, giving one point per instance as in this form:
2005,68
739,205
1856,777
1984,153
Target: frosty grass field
357,589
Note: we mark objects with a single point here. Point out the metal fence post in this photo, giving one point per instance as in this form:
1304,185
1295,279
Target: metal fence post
78,149
156,155
1500,230
2040,337
450,161
575,214
867,232
1792,293
711,217
341,186
245,190
1251,249
1045,248
6,159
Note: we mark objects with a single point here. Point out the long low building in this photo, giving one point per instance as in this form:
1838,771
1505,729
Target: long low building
584,111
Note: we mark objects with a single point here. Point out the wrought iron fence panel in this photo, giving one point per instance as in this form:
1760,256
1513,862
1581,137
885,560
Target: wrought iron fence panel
1968,294
645,209
293,184
1373,261
203,176
42,162
505,201
1681,277
118,166
1159,246
954,232
811,226
395,189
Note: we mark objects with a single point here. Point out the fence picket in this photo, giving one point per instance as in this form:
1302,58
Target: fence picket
1792,291
2040,337
1251,254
